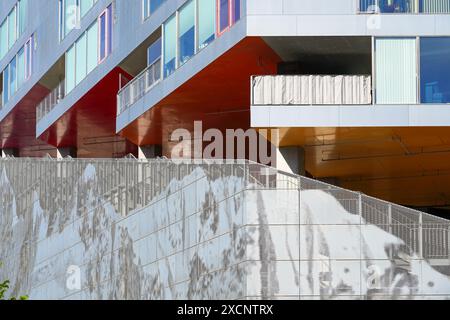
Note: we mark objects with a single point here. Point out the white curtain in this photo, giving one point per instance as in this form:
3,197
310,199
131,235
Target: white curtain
311,90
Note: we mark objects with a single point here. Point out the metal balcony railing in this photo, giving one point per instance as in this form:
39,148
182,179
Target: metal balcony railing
50,101
139,86
311,90
405,6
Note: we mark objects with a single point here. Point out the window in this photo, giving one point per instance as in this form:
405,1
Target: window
228,13
92,47
21,67
206,22
70,16
435,70
83,56
3,39
12,28
12,77
187,32
17,71
154,52
224,15
105,33
170,51
236,10
85,6
29,57
70,69
150,6
23,7
396,69
5,85
71,12
81,59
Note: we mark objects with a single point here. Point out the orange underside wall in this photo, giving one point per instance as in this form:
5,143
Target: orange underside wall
219,96
18,128
90,124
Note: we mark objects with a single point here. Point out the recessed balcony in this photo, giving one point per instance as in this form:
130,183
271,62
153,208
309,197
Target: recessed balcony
139,86
405,6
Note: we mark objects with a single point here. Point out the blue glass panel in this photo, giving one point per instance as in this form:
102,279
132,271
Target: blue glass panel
435,70
224,10
102,36
5,85
109,31
154,52
367,5
13,76
187,32
170,46
236,10
155,4
397,6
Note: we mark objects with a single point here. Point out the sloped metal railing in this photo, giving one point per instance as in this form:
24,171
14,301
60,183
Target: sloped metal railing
131,184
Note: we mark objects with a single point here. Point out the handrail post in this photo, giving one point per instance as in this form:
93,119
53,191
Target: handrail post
420,236
360,204
390,218
448,243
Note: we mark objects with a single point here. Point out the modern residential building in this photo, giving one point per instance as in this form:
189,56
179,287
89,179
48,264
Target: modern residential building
356,93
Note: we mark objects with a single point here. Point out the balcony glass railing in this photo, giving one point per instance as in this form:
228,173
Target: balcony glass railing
139,86
50,101
404,6
312,90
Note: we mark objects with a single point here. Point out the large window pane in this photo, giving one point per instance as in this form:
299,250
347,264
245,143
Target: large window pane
5,85
224,14
12,77
105,25
187,32
70,69
85,6
3,39
154,52
236,10
12,27
435,70
92,51
23,4
170,45
206,22
396,70
70,15
81,59
109,30
29,57
102,26
435,6
20,67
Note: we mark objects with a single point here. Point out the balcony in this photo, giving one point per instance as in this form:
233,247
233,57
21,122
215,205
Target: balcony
405,6
50,101
139,86
312,90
